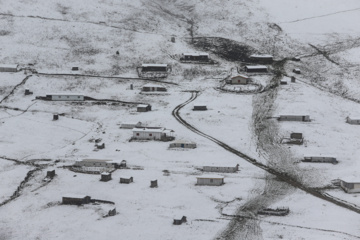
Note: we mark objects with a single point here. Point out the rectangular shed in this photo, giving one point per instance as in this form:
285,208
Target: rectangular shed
153,88
75,199
350,185
152,133
102,163
126,180
65,96
239,79
147,67
210,180
301,118
353,120
143,108
182,144
200,107
8,67
195,57
320,159
258,68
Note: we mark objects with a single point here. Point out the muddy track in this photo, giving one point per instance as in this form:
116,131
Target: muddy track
324,53
280,175
16,86
108,77
21,186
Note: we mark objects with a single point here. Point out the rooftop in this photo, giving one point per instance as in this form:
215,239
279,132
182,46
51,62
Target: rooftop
261,56
65,94
143,105
351,179
72,195
153,85
196,54
257,67
8,65
243,76
211,176
153,65
96,160
148,129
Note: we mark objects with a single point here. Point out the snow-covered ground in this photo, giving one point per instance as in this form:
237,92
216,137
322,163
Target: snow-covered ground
55,36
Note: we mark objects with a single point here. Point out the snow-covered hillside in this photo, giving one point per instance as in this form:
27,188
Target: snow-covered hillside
108,40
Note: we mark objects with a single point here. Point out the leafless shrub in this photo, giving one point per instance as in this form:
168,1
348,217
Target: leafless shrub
4,32
62,9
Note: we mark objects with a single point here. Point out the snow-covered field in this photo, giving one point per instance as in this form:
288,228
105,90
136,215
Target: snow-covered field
54,36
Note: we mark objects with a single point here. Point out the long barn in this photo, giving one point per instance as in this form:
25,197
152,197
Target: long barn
8,67
147,67
65,96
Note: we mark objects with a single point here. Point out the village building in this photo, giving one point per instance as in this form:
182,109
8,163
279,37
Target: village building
295,135
130,125
143,108
154,183
256,69
153,134
65,97
105,177
8,67
200,107
97,163
182,144
350,185
296,59
301,118
261,58
210,180
50,174
221,169
126,180
150,87
154,67
204,57
239,79
353,120
283,81
297,71
180,221
320,159
74,199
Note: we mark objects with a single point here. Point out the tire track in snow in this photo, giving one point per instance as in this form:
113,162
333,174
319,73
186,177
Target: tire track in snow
16,86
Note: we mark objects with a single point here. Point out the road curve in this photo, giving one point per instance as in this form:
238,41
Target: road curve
281,176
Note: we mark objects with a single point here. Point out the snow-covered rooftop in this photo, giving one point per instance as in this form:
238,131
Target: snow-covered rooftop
351,179
240,75
257,67
72,195
154,65
9,65
148,129
143,105
65,94
153,85
261,56
211,176
196,54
